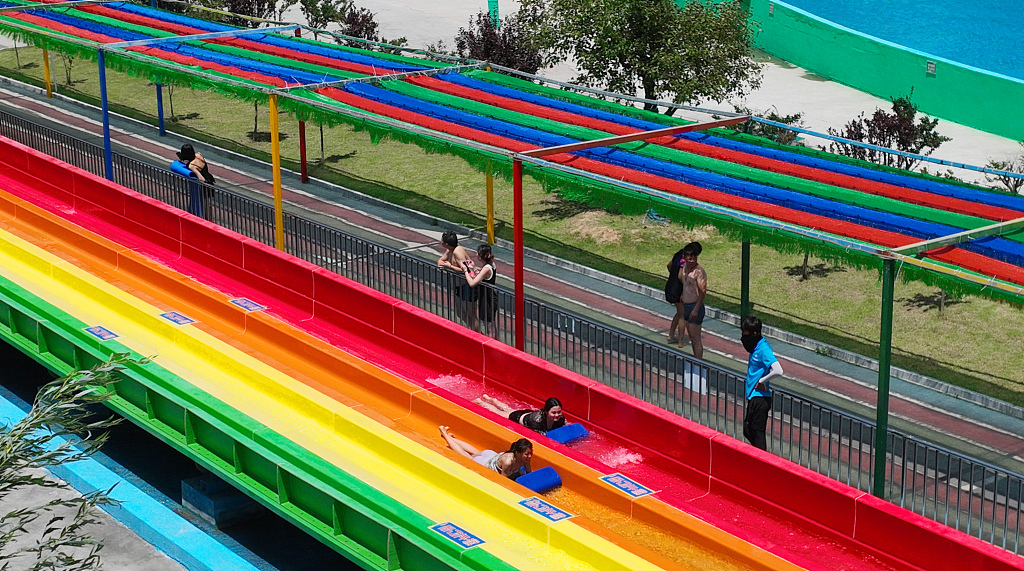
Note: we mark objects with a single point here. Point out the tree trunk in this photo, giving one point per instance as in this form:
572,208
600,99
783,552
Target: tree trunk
804,276
322,156
170,99
942,301
255,119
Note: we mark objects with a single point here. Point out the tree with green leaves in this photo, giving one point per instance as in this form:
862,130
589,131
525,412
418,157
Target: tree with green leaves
697,52
60,428
508,45
897,130
1013,165
322,13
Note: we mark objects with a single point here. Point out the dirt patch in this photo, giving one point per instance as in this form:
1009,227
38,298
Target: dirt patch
591,225
684,236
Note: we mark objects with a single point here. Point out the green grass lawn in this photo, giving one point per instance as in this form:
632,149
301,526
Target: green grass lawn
973,343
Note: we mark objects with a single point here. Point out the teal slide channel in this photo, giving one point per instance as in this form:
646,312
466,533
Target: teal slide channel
942,88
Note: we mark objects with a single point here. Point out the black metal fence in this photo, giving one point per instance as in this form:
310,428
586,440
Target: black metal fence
963,493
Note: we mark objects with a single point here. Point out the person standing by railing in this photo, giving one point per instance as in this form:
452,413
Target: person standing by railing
691,303
456,258
762,366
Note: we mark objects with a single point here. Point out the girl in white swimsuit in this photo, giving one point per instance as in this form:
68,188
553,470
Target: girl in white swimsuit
512,463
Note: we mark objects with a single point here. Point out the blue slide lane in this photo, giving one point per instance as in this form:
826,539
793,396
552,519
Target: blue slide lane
268,39
973,195
998,248
145,516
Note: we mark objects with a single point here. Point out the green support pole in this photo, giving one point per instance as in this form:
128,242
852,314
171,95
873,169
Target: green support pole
745,279
492,8
884,359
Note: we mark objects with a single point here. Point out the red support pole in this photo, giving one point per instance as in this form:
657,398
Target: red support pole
520,302
302,151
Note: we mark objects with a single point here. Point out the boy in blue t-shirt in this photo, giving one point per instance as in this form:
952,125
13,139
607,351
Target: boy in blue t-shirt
762,366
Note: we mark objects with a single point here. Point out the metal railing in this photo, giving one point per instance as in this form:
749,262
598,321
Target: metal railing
967,494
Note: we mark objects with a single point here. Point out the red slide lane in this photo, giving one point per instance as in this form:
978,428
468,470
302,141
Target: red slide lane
251,45
763,163
848,522
963,258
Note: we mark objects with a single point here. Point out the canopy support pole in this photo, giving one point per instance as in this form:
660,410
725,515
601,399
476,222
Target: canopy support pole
46,72
517,214
745,279
160,107
884,360
108,158
490,206
492,8
302,137
275,151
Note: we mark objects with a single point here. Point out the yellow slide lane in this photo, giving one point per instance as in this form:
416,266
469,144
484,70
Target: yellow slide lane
430,483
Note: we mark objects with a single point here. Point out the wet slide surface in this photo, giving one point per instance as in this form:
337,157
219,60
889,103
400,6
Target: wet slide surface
397,414
218,363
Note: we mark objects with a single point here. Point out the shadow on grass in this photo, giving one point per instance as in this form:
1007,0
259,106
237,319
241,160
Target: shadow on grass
561,209
935,301
953,373
335,158
814,271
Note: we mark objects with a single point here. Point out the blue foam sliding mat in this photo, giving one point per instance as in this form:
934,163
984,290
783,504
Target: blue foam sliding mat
541,480
568,433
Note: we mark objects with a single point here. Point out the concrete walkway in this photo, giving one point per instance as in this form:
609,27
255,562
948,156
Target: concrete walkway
955,419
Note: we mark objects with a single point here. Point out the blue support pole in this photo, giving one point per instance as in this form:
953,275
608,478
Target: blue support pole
152,3
108,160
160,108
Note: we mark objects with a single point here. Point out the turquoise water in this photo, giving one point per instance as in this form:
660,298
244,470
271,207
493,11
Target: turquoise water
988,34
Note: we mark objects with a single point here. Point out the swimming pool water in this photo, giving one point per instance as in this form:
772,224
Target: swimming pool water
988,34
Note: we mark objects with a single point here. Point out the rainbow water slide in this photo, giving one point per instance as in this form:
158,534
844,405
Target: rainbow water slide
311,314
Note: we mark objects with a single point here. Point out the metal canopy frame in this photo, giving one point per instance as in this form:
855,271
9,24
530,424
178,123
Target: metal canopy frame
619,139
997,229
380,78
206,36
517,197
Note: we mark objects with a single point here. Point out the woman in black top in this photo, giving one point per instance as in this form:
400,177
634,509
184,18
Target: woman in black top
487,296
549,417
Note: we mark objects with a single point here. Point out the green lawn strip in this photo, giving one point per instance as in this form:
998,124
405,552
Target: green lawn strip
841,309
743,172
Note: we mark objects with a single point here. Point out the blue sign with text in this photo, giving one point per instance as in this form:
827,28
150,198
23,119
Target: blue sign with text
177,318
101,333
545,509
248,304
455,533
626,485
